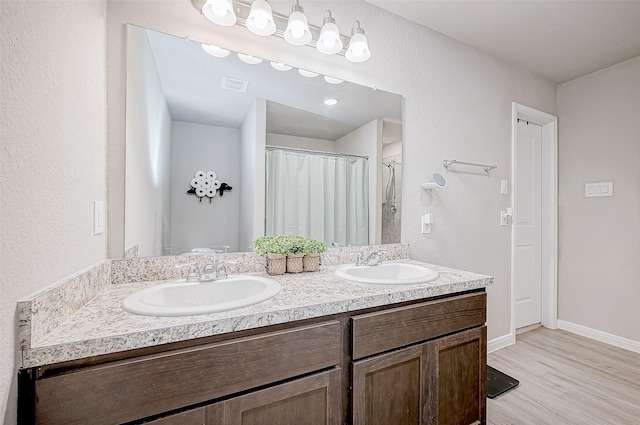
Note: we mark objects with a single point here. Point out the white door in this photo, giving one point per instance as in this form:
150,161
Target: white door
527,226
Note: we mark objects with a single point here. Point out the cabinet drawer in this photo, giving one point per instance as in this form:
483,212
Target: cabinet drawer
136,388
385,330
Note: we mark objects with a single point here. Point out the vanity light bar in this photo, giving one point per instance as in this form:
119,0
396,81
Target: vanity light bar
243,9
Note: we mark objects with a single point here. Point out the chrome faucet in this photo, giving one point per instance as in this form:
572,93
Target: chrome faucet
221,271
194,271
360,261
212,271
375,258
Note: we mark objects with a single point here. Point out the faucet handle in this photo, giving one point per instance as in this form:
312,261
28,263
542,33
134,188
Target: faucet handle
221,272
194,271
360,260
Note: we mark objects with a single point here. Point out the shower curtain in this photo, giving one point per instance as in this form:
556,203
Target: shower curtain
318,196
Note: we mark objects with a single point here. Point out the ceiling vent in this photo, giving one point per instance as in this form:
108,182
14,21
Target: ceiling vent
234,85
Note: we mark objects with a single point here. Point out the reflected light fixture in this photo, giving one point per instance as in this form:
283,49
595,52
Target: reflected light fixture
297,32
280,66
260,20
216,51
219,12
358,50
330,101
251,60
332,80
306,73
329,41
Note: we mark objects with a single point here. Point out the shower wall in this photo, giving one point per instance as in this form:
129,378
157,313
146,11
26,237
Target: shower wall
391,220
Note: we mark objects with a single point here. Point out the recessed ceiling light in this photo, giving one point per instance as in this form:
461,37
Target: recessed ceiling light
306,73
216,51
280,66
330,101
251,60
332,80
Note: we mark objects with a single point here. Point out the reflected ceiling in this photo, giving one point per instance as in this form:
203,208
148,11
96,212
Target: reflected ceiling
192,83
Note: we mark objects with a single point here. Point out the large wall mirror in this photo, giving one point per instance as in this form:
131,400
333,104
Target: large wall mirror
220,151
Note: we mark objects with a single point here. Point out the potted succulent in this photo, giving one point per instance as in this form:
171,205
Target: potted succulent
312,249
275,251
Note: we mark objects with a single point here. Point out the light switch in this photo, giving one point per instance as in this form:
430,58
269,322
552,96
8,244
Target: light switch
98,218
592,190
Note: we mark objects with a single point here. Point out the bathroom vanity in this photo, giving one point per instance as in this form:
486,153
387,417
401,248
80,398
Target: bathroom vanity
374,355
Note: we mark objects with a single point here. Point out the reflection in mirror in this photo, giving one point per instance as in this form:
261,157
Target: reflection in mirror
219,152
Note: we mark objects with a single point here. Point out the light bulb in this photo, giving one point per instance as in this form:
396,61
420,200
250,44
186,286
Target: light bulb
358,50
297,31
332,80
249,59
219,12
280,66
329,41
216,51
219,8
260,19
308,74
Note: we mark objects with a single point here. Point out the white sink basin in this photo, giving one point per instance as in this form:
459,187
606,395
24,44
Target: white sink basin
388,273
181,298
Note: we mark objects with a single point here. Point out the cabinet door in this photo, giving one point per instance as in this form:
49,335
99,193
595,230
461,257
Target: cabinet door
457,375
388,389
314,400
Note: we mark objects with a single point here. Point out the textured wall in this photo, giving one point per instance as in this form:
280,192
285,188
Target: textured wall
457,106
599,238
53,154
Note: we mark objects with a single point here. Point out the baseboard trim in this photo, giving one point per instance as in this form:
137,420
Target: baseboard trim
500,342
607,338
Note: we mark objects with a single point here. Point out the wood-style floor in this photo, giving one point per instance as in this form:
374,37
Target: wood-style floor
566,379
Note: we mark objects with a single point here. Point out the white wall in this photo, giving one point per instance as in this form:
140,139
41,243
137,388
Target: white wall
53,146
196,224
599,238
367,141
288,141
392,149
253,133
148,162
457,105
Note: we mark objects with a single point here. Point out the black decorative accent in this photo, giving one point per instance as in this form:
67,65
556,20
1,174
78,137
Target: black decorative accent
224,187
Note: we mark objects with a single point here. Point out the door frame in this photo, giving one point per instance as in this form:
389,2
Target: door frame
549,213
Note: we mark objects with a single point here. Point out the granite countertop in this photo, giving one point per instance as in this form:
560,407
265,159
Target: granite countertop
103,327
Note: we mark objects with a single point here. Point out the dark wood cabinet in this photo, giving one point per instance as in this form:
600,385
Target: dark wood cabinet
388,389
313,400
440,381
421,362
457,378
